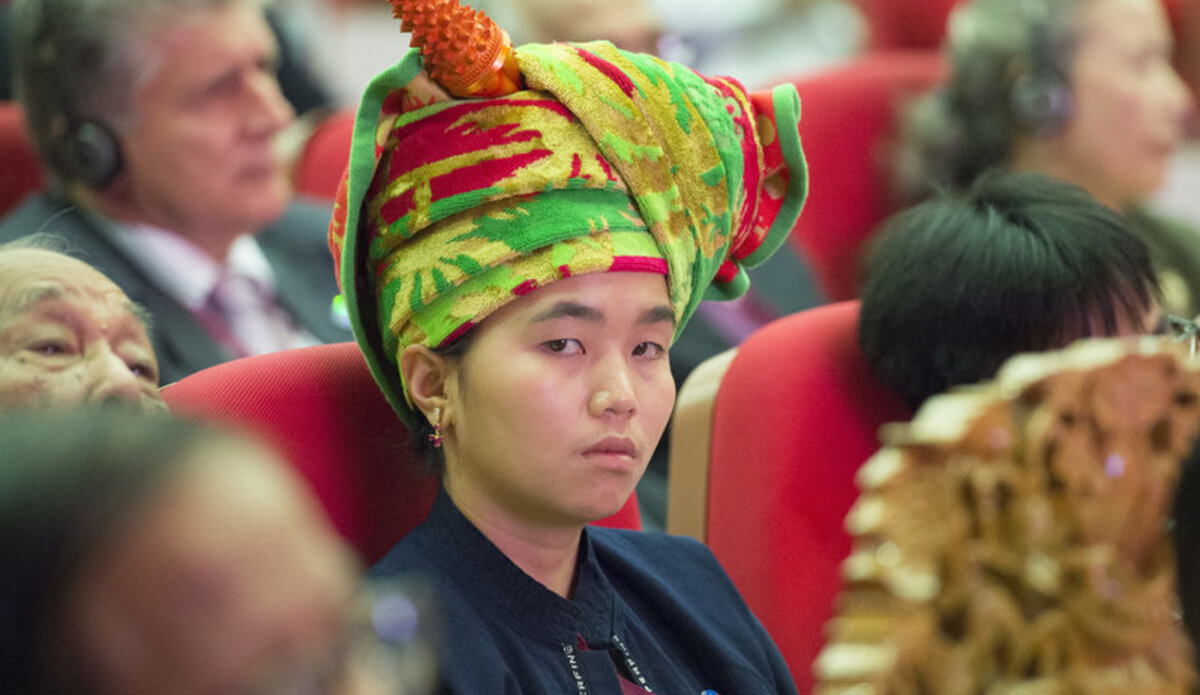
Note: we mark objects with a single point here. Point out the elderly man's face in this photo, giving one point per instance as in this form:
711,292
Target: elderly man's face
69,336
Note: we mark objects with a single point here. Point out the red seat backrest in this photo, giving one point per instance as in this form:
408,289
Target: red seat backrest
796,414
1184,17
921,24
20,171
323,159
847,127
321,408
905,24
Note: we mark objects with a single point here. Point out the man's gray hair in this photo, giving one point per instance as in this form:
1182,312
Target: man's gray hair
83,60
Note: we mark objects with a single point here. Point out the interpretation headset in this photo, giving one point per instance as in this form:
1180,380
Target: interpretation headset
86,150
91,153
1040,98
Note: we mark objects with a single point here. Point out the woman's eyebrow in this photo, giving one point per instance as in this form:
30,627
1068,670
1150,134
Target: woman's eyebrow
576,310
659,314
569,309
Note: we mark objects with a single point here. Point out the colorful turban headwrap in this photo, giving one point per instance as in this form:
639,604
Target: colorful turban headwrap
608,161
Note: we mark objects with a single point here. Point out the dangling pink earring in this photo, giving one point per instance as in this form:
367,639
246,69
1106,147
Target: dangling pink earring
436,437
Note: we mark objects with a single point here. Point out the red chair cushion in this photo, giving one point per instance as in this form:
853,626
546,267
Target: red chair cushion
849,114
332,424
20,171
906,24
796,414
324,157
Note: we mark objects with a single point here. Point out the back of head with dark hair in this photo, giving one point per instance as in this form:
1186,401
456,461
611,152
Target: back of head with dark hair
69,481
1018,263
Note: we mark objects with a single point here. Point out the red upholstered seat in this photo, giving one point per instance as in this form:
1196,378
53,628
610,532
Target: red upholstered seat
323,159
847,126
905,24
20,172
1184,17
921,24
795,414
321,408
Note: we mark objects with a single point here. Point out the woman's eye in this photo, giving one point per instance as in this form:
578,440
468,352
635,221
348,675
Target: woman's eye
649,349
569,346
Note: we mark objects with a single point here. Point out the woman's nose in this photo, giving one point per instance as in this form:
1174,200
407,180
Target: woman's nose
612,391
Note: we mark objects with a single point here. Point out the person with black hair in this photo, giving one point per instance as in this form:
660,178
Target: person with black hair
1017,263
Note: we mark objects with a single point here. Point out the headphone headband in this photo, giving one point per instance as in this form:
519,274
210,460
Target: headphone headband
1040,99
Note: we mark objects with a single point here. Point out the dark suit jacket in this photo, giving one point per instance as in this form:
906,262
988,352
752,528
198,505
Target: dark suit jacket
295,245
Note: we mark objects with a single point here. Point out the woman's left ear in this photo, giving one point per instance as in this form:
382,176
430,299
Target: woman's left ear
425,373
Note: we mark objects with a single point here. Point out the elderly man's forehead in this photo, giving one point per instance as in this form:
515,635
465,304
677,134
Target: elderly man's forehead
20,298
31,276
23,299
20,267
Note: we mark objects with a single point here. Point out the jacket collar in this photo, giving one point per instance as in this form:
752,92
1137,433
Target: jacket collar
466,555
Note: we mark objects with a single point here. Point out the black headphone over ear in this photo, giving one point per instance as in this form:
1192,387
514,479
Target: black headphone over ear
92,154
1040,99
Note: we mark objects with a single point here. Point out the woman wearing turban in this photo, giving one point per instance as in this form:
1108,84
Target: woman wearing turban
515,268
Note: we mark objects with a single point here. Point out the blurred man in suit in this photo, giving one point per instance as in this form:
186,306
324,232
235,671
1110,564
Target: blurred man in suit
157,122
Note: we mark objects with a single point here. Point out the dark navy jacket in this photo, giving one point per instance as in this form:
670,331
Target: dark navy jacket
658,607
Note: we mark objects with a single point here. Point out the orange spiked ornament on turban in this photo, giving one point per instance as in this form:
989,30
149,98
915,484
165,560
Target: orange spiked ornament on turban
601,160
464,50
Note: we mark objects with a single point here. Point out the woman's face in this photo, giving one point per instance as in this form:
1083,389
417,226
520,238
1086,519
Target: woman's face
1129,104
553,412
